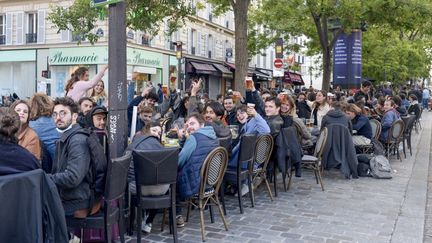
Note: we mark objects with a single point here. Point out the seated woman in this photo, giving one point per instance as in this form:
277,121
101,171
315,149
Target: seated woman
27,137
360,123
149,139
390,116
253,123
414,107
14,158
288,112
320,108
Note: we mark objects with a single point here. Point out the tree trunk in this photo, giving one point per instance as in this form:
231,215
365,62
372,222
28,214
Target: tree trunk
326,57
241,53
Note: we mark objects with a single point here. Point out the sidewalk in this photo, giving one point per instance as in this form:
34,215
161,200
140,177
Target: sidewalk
358,210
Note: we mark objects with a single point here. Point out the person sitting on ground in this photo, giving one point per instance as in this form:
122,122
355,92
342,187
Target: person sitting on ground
41,106
414,107
360,123
13,157
79,84
72,162
390,116
320,108
27,137
149,139
201,140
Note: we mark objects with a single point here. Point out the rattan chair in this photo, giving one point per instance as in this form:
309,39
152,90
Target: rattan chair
395,136
376,128
212,173
263,151
313,162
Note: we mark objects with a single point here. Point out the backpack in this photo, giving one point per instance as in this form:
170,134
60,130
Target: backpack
98,165
380,167
363,167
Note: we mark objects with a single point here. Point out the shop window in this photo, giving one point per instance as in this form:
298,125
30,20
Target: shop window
2,29
31,35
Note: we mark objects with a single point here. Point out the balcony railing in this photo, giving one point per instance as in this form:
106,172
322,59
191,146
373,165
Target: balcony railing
145,41
31,37
193,50
2,39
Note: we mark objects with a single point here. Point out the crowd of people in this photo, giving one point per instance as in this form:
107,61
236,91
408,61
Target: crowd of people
51,134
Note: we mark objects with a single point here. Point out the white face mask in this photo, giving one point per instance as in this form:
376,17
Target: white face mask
65,130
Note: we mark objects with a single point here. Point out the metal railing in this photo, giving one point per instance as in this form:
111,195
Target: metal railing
31,37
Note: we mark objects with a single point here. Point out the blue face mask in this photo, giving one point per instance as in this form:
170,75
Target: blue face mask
64,130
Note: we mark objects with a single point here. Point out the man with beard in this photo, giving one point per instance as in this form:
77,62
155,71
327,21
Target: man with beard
72,161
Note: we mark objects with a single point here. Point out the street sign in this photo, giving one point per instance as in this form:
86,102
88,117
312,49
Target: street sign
278,63
96,3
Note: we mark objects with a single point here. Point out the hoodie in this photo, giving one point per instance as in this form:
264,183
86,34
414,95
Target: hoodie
336,117
191,144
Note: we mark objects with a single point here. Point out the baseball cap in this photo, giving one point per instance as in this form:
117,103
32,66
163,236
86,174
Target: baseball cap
99,110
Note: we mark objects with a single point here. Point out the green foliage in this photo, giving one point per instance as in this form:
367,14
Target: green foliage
145,15
79,18
399,32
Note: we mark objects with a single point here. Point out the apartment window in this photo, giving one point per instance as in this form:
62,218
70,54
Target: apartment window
2,29
193,41
210,45
31,35
146,40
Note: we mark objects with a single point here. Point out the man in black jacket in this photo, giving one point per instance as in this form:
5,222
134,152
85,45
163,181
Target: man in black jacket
71,167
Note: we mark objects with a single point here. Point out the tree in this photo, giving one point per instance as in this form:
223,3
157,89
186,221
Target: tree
145,15
315,19
311,18
240,9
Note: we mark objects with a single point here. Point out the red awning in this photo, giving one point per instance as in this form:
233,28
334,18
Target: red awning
293,78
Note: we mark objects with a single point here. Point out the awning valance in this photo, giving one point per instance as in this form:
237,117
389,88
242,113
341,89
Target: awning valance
203,68
226,73
293,78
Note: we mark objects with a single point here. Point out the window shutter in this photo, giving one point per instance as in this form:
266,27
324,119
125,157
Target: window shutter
8,29
190,41
198,50
65,35
20,28
41,27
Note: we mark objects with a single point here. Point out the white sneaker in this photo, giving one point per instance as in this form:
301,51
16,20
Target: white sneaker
75,239
244,190
146,228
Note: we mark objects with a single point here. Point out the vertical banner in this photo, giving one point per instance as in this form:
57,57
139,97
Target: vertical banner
347,60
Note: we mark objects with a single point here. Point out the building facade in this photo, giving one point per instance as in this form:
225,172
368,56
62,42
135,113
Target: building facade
30,47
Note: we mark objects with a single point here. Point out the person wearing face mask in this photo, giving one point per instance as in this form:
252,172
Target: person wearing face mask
27,137
72,161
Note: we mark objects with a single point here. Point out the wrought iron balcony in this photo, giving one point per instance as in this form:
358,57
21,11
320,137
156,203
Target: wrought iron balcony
31,37
2,39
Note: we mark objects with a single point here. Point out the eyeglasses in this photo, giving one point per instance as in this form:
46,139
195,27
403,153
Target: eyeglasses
61,114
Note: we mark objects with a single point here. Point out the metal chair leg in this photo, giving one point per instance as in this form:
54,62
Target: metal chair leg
268,188
201,209
220,212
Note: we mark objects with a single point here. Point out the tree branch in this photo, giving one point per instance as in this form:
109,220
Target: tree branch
335,36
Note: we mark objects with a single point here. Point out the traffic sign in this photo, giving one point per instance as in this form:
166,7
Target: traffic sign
96,3
278,63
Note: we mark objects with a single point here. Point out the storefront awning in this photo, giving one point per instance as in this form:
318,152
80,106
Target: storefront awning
203,68
226,73
293,78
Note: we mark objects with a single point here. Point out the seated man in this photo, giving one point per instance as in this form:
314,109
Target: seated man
336,115
192,156
71,168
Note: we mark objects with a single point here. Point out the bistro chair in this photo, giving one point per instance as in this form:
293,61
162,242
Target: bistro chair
313,162
112,211
376,128
263,151
409,125
238,175
395,136
155,167
212,173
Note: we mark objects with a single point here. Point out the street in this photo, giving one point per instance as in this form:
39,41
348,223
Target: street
357,210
